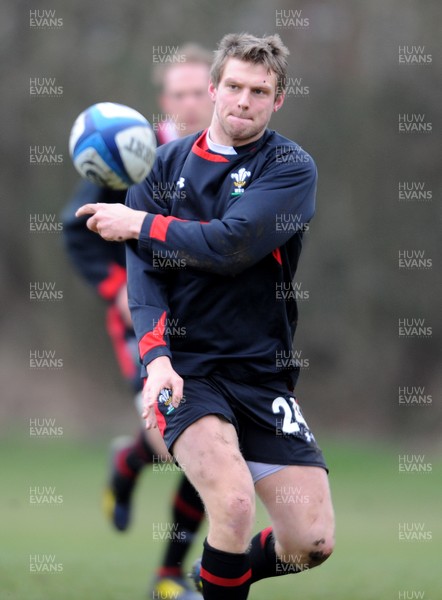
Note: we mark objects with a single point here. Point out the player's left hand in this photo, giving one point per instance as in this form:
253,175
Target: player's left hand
114,222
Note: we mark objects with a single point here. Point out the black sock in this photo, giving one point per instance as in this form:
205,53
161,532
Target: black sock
188,512
263,558
225,575
139,454
128,463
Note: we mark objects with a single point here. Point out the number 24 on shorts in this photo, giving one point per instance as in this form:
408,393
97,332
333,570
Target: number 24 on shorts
293,422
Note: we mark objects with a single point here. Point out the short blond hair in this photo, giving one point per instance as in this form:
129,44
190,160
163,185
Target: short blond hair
190,53
268,51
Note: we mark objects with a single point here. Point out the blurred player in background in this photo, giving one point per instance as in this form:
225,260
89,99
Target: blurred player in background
185,109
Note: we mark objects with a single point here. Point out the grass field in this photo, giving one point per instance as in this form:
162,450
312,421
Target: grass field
370,562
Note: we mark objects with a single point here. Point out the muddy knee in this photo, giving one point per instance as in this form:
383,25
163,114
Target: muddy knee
307,554
319,551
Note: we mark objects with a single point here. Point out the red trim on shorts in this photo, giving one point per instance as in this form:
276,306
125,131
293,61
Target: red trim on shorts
160,225
187,509
108,288
277,255
160,419
264,535
200,148
153,339
225,581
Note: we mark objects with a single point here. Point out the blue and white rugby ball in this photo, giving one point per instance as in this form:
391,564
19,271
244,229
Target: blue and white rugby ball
112,145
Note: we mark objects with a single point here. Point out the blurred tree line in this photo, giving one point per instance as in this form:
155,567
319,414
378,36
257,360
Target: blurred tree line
348,90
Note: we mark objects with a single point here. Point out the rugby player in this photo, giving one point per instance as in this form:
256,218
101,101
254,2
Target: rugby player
233,421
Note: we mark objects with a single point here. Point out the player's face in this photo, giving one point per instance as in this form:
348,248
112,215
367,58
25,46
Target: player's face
244,102
185,98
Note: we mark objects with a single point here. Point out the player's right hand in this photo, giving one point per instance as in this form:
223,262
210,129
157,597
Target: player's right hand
115,222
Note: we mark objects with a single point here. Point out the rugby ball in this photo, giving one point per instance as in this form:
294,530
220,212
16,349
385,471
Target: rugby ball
112,145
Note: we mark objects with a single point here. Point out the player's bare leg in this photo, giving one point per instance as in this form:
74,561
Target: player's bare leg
298,501
209,453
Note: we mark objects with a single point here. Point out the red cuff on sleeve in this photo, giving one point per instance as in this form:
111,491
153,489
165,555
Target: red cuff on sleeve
160,225
153,339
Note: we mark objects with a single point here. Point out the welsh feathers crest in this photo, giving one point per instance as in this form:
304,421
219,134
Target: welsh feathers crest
239,181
